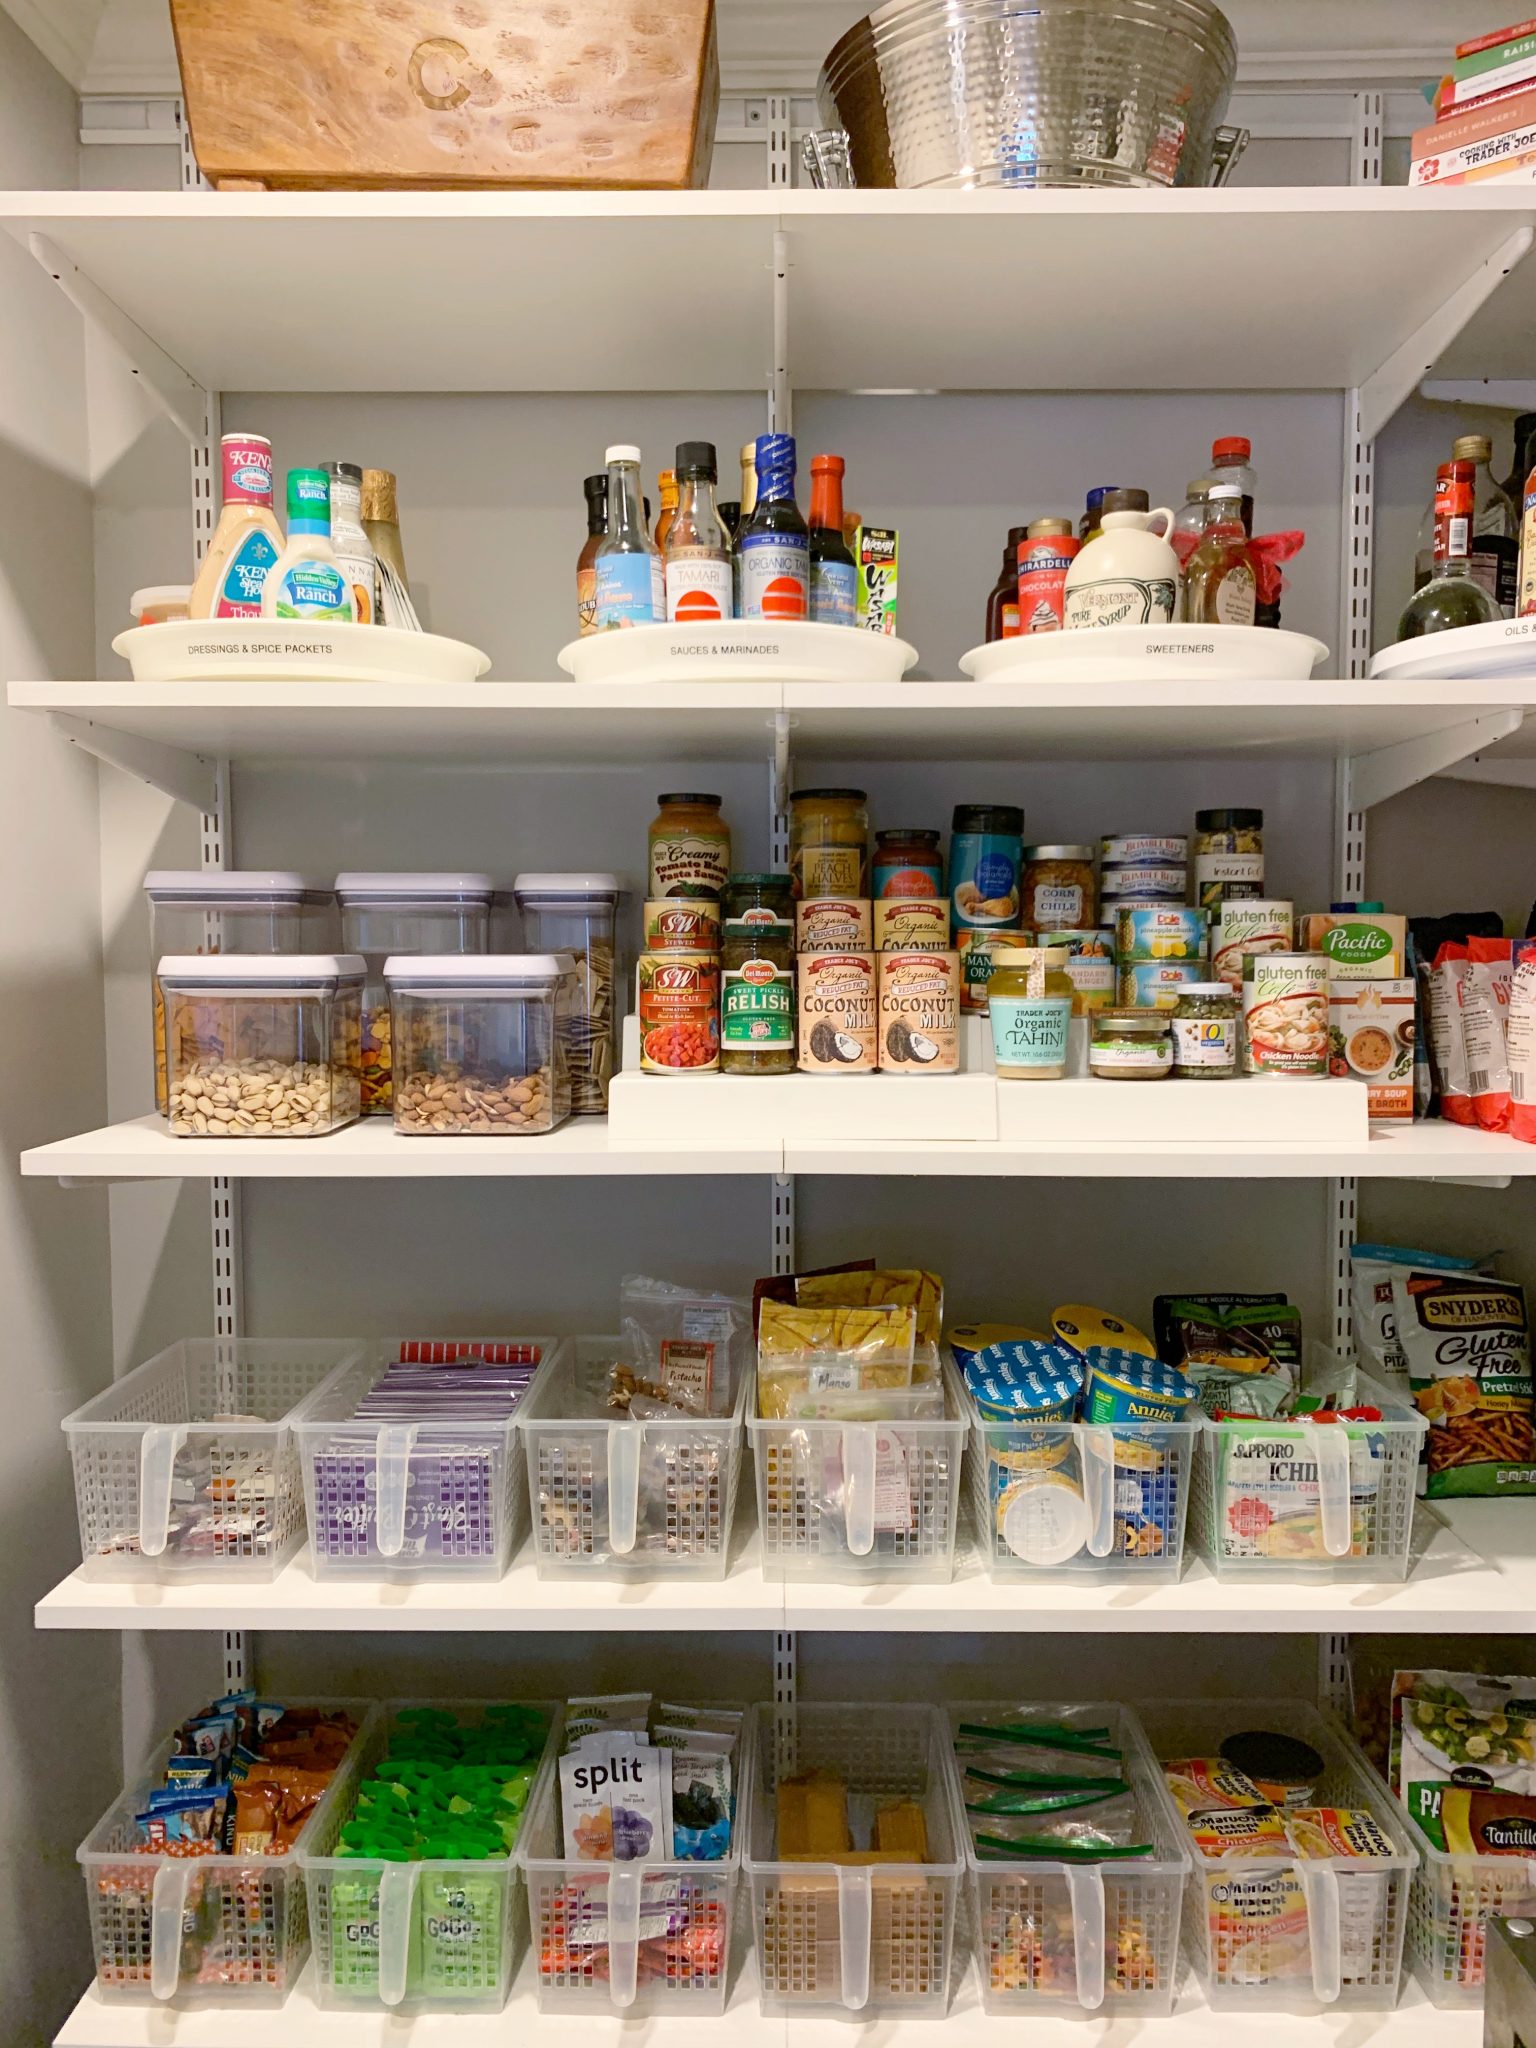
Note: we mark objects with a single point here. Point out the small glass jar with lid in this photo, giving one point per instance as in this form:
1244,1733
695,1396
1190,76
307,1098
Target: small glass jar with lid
229,910
261,1045
908,864
757,998
689,847
385,914
767,900
829,842
1058,888
1029,997
1131,1045
1207,1031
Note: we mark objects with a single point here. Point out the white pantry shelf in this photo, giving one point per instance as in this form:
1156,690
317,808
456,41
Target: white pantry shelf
1475,1574
143,1149
301,2024
884,287
563,722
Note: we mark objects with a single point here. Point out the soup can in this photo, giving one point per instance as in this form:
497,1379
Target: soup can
682,924
677,998
1285,1014
1250,926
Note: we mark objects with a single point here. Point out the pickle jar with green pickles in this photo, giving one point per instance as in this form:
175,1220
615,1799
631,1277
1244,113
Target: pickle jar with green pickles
757,998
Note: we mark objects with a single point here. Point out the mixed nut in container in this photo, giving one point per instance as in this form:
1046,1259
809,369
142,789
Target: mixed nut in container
484,1043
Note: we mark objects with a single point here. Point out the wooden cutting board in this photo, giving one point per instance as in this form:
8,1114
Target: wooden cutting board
352,94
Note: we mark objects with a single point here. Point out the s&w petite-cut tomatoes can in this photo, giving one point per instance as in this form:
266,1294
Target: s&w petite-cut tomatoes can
678,1001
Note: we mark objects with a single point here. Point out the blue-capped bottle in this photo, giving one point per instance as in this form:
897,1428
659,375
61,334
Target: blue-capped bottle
305,582
630,586
774,546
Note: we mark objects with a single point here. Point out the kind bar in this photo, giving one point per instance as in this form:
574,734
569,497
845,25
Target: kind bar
877,552
1467,1341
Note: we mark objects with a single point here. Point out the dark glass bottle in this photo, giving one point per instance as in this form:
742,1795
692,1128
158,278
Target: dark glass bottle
730,514
596,492
774,548
1003,599
834,574
1450,598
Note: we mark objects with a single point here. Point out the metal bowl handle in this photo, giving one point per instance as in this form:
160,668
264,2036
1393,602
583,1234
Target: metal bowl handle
1227,146
825,155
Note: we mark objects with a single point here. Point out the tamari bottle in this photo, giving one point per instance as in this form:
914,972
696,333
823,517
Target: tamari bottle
1003,598
630,586
1451,598
834,574
595,489
698,551
775,544
246,541
1221,584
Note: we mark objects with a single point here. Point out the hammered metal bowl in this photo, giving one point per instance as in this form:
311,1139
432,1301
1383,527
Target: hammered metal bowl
966,93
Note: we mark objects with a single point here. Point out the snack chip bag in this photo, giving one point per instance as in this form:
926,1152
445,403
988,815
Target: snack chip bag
1466,1337
911,1287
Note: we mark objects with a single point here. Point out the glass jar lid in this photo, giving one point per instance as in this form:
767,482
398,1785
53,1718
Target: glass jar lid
813,796
908,835
690,796
1206,988
988,818
1132,1023
1027,956
1228,821
1058,853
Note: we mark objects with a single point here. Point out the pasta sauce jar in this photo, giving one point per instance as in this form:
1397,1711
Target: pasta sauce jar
908,864
690,847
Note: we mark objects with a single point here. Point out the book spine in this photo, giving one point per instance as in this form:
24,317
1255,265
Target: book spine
1465,166
1480,124
1495,39
1484,99
1489,84
1494,59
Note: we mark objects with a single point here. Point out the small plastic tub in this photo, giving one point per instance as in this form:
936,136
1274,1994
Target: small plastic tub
855,1939
188,1467
262,1046
437,1491
1286,1933
206,1930
230,910
610,1493
384,914
636,1938
481,1044
1081,1938
430,1935
575,914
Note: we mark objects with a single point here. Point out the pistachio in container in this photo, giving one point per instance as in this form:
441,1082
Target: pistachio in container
482,1042
262,1045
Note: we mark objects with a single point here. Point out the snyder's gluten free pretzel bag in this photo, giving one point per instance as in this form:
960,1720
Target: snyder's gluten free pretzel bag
1467,1341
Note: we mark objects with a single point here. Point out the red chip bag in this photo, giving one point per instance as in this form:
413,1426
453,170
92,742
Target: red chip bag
1484,1030
1447,981
1522,1042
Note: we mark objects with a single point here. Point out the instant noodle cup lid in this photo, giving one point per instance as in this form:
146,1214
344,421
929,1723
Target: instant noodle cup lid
1139,1374
1043,1518
1080,1326
1026,1378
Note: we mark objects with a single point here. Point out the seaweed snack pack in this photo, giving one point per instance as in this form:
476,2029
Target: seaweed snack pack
1243,1351
1373,1317
1048,1792
686,1347
1463,1759
1466,1338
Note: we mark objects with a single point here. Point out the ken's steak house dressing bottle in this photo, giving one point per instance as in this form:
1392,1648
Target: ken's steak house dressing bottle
247,539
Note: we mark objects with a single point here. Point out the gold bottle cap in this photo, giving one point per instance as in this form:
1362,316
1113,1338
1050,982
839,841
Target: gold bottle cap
1471,448
379,496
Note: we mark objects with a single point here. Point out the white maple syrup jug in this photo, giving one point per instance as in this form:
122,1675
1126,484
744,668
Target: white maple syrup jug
1128,576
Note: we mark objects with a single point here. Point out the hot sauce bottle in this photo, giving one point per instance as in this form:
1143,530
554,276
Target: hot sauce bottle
834,573
1003,601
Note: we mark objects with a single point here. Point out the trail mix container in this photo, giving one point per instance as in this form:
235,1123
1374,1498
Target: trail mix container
1285,1014
483,1043
384,915
229,911
920,1013
838,1013
262,1046
677,999
575,914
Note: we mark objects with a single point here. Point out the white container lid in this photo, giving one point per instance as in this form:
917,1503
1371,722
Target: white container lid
477,970
1046,1520
567,888
1208,988
622,451
385,888
265,970
215,884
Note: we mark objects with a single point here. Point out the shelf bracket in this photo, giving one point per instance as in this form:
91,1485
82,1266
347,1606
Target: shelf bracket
780,396
173,770
779,768
179,395
1388,771
1396,380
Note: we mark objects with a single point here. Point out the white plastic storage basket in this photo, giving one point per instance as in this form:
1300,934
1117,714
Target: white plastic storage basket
442,1497
1288,1499
1449,1904
632,1938
1120,1495
1081,1938
862,1939
206,1930
861,1500
608,1493
1288,1933
425,1936
188,1467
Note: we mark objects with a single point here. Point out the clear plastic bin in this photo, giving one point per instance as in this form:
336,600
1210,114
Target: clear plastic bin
597,1927
1449,1903
631,1498
1288,1933
384,914
229,911
439,1497
1259,1511
188,1467
482,1043
262,1047
859,1499
870,1939
1081,1938
1104,1502
425,1936
205,1930
575,914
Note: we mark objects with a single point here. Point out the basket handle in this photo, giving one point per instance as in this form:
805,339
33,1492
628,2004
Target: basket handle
167,1914
1096,1443
859,1445
392,1471
1332,1442
158,1452
623,1932
1086,1886
853,1936
624,1442
1320,1885
397,1899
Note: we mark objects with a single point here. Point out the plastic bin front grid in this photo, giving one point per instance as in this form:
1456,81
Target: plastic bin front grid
402,1500
1343,1947
631,1498
861,1499
860,1940
422,1936
1079,1939
206,1423
1449,1902
568,1902
1373,1536
206,1930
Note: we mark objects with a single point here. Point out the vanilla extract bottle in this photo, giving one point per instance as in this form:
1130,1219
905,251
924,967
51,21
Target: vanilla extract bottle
698,552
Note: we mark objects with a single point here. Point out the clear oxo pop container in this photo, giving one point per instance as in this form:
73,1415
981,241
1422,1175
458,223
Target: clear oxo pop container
384,914
481,1045
262,1046
575,914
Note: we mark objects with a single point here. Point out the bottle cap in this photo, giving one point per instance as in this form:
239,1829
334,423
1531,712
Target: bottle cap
1016,534
919,835
1229,821
622,451
696,461
666,483
1232,448
1224,491
828,465
1049,529
1471,448
1097,495
1125,499
688,796
348,472
309,498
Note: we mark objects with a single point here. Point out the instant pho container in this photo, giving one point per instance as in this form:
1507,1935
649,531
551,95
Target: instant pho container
384,914
229,911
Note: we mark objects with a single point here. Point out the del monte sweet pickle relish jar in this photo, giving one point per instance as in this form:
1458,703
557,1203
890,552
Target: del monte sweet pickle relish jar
757,999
